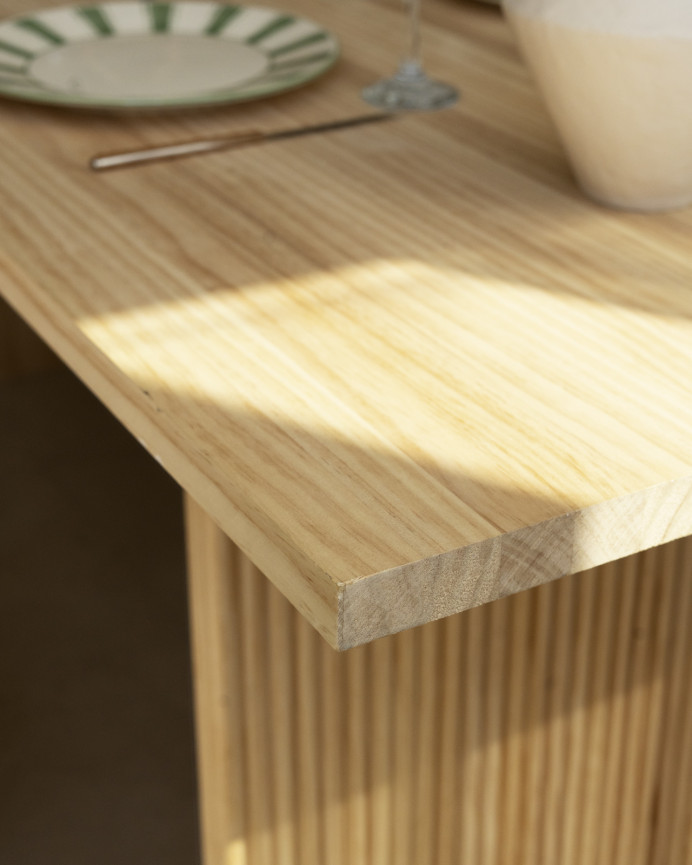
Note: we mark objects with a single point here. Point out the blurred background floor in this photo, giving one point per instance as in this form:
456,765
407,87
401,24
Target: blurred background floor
96,727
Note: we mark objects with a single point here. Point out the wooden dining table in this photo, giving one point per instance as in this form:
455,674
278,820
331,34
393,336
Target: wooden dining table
430,409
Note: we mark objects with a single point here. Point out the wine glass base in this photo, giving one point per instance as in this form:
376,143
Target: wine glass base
410,90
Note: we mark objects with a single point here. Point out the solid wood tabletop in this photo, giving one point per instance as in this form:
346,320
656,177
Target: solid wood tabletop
408,368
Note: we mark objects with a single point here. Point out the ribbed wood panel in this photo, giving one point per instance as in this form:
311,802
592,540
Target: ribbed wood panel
551,726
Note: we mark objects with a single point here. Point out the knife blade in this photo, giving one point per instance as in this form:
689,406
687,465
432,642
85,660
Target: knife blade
197,146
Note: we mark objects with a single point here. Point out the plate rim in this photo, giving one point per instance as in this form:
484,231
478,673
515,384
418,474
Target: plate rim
249,90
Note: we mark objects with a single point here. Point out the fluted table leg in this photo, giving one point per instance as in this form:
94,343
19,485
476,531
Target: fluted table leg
551,726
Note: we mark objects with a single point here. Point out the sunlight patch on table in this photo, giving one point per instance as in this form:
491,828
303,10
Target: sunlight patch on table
458,373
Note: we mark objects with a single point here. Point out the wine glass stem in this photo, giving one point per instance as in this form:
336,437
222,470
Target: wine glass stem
413,60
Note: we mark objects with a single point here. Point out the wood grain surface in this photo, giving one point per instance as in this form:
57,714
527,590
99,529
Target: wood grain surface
551,726
407,368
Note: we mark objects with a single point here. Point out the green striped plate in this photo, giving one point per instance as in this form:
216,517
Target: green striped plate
138,54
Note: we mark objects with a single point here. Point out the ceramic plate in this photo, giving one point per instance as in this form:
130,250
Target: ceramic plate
135,54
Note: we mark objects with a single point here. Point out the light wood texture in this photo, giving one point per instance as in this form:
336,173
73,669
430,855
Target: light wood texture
407,368
552,726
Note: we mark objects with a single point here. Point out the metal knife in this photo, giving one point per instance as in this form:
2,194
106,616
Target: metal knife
107,161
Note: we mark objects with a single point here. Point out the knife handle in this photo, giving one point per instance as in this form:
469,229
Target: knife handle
108,161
